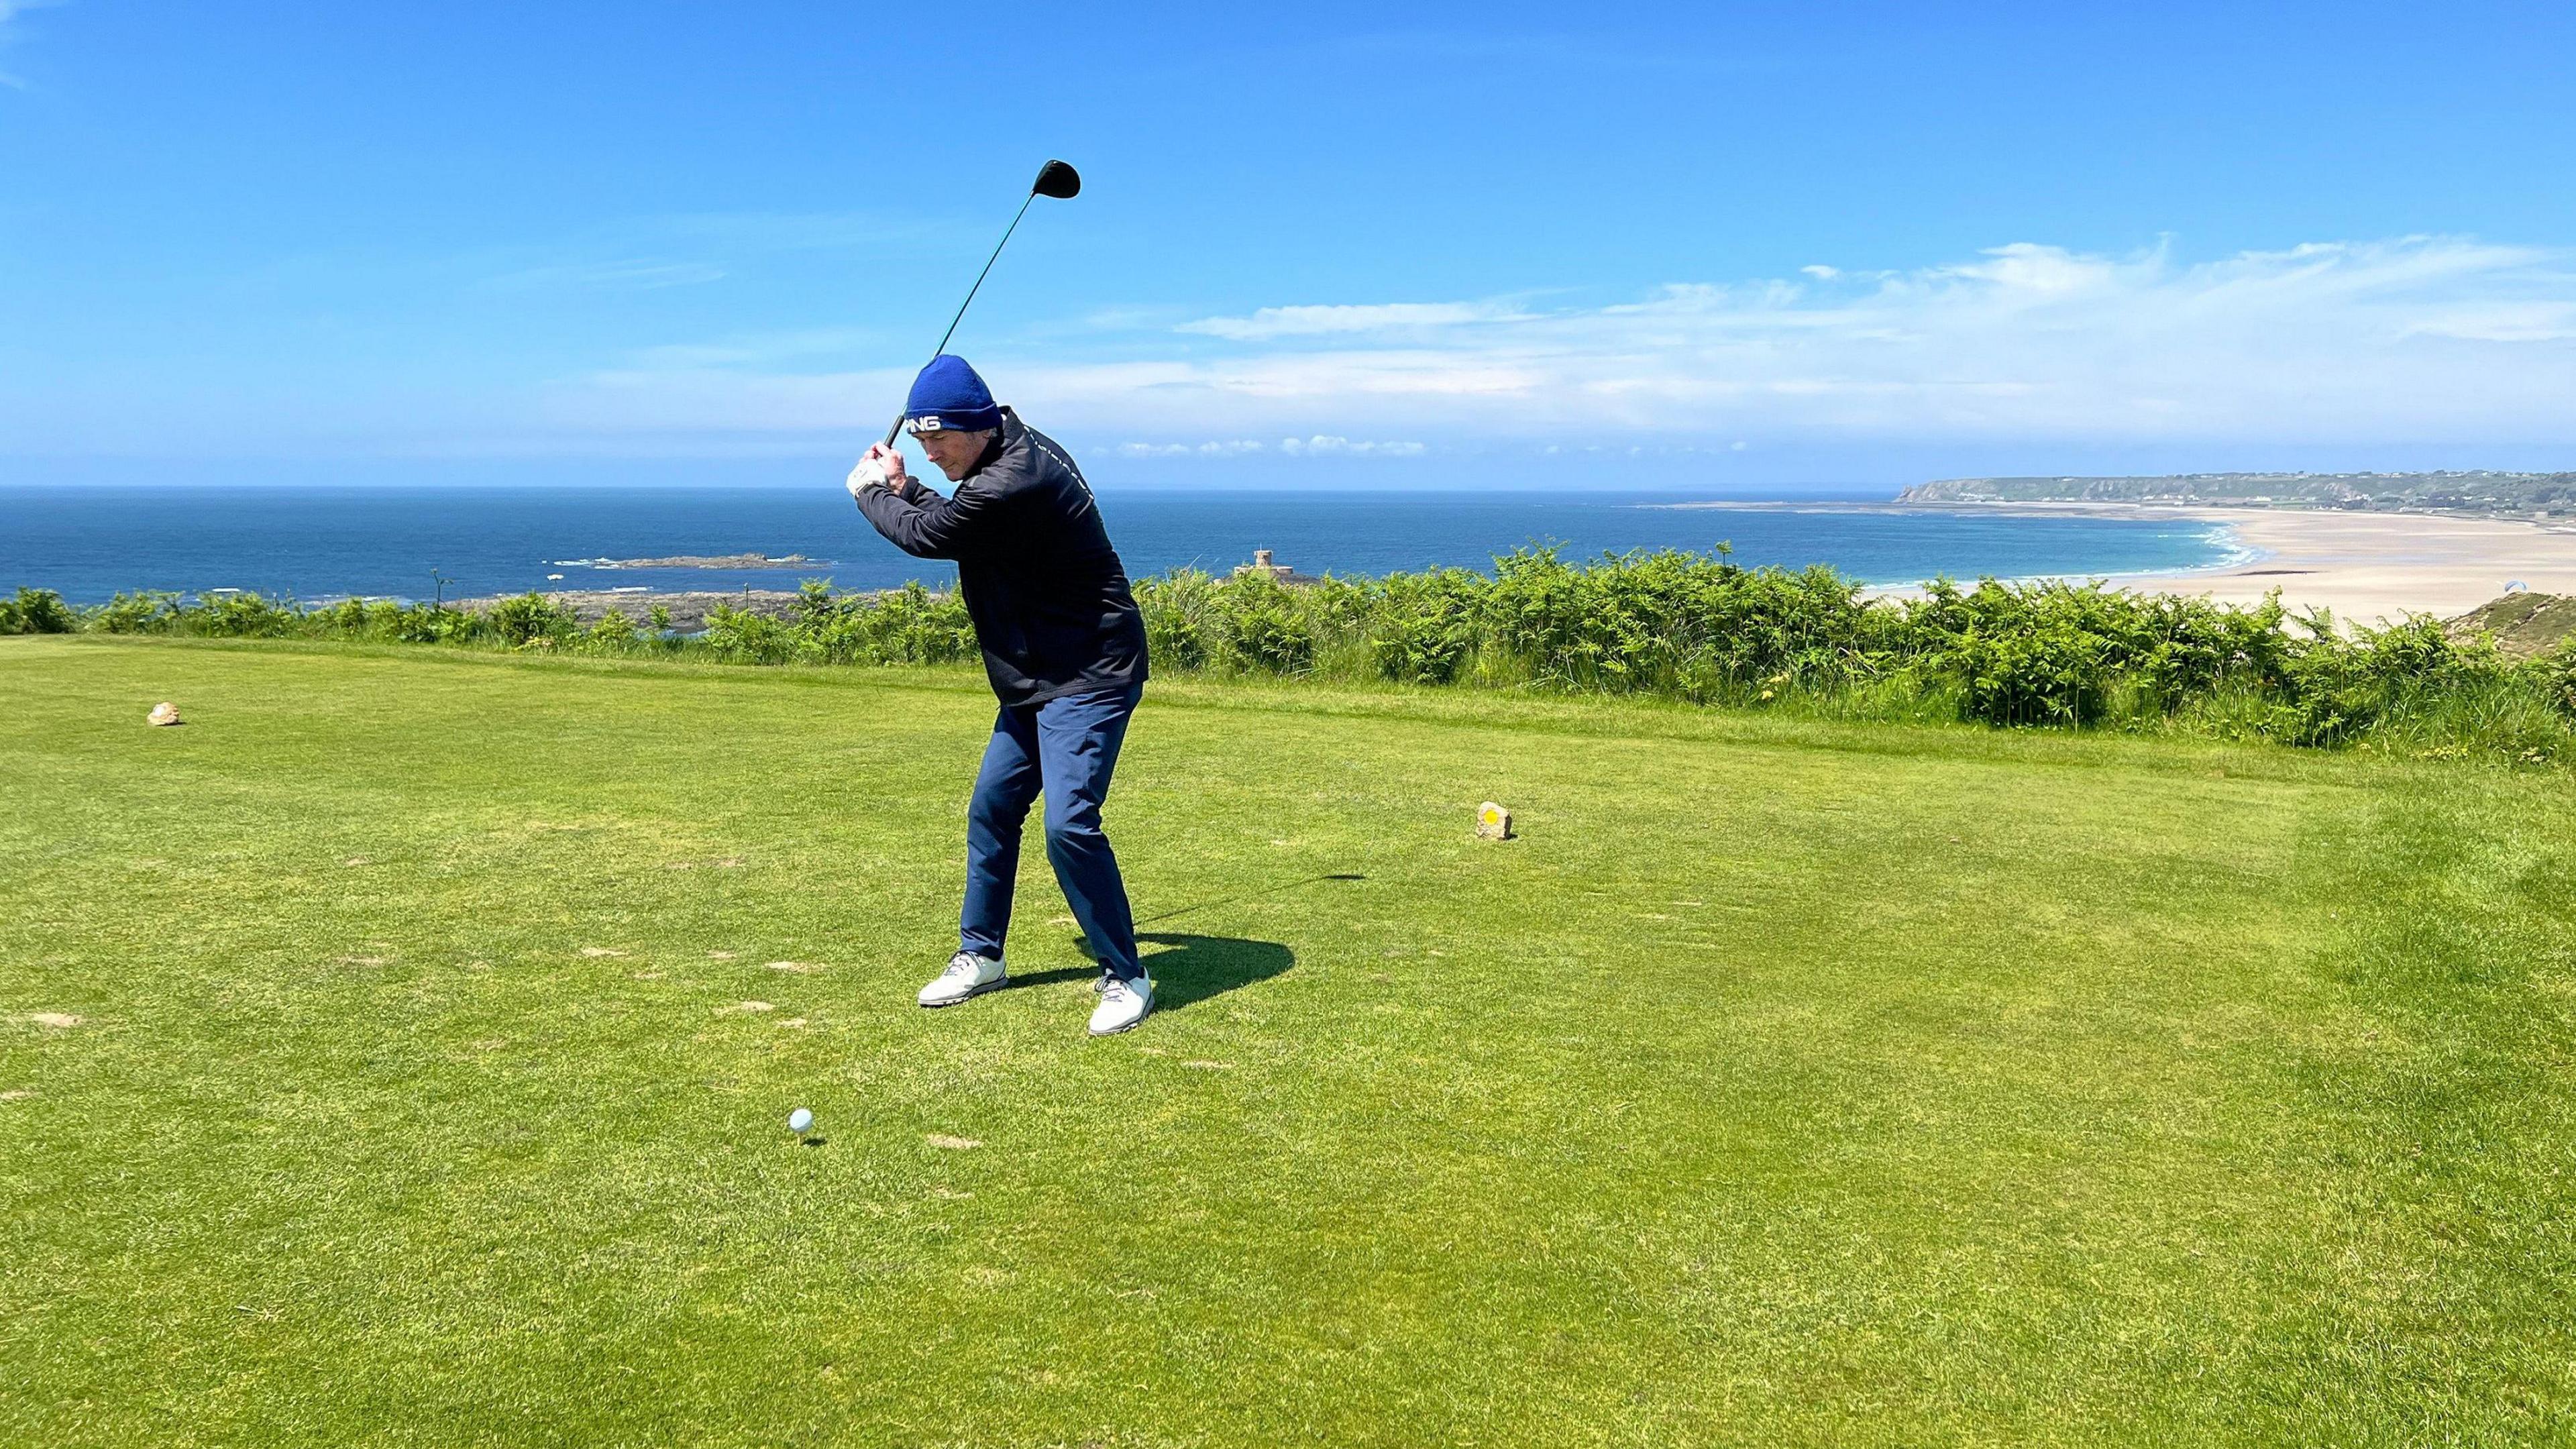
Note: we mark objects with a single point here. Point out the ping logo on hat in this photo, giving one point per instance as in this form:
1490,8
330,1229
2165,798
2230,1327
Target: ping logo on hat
949,396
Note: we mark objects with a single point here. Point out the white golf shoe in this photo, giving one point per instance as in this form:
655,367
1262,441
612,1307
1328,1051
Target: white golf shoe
1122,1005
967,975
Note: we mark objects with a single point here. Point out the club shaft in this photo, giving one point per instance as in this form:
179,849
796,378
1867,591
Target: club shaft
896,431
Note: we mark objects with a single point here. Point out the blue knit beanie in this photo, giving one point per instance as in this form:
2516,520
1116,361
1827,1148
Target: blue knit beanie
947,395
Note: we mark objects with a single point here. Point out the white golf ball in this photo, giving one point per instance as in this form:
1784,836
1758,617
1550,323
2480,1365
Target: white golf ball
800,1120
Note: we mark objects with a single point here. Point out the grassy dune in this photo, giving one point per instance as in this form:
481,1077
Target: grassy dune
1788,1083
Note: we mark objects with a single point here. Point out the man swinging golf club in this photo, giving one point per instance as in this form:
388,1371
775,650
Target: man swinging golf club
1064,648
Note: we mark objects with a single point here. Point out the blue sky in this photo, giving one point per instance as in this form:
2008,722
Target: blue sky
1731,248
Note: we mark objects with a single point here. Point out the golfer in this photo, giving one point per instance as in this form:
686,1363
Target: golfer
1064,647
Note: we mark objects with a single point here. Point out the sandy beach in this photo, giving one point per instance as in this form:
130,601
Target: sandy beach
2366,567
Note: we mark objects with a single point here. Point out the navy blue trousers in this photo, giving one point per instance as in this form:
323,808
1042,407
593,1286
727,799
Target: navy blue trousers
1065,748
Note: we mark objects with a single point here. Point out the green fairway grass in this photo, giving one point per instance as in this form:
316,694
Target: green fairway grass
439,1014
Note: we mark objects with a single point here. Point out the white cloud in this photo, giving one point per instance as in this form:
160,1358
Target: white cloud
2417,340
1219,448
1275,322
1323,446
2504,322
10,10
1320,445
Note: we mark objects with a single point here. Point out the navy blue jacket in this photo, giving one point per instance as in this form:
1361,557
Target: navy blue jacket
1049,598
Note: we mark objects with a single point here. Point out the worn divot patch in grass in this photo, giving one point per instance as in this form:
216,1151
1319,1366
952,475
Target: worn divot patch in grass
59,1020
596,952
799,968
16,1094
751,1007
947,1143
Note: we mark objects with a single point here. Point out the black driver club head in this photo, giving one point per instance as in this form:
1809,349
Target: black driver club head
1057,180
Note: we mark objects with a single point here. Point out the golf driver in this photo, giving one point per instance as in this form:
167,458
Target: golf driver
1056,180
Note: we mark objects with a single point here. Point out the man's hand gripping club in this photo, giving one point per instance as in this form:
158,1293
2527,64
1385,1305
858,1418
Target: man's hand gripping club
881,468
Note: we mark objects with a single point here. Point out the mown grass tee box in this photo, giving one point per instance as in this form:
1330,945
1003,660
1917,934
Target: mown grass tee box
400,1051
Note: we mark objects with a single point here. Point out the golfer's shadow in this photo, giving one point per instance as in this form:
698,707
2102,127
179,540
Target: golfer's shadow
1194,968
1191,968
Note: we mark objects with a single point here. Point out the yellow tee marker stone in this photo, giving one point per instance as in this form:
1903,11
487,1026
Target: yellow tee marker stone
1493,822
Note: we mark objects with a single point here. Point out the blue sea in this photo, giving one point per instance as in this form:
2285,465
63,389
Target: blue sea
317,543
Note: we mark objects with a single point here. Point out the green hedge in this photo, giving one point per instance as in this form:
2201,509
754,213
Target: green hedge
1675,625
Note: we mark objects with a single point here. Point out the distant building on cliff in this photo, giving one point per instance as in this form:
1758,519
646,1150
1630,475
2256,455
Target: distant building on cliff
1261,564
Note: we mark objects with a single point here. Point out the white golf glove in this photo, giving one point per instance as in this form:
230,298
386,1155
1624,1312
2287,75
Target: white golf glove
871,473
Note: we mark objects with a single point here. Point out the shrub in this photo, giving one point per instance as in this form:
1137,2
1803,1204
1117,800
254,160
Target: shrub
1264,629
1680,623
429,624
2555,673
912,625
1421,627
348,618
529,617
2339,689
1174,608
144,613
613,632
36,611
746,637
1556,620
243,616
2045,675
